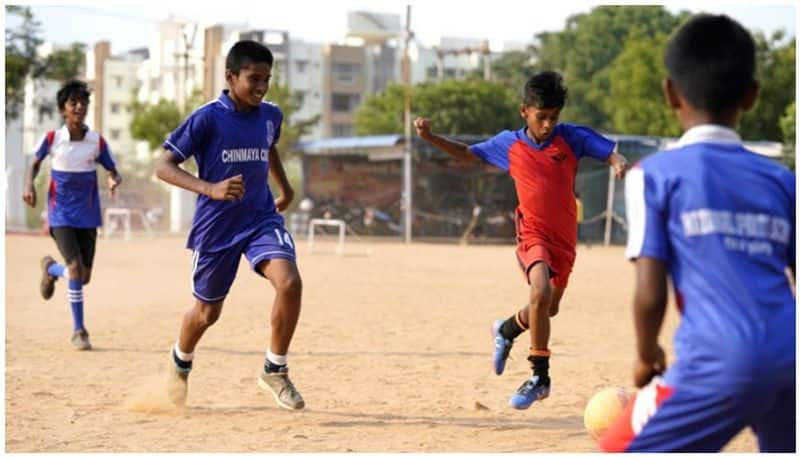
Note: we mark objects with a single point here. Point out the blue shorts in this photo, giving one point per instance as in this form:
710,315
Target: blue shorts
213,272
666,418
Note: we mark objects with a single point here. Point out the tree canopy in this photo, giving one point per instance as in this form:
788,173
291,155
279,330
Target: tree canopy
454,106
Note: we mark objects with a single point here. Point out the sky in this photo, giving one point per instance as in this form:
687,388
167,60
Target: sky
128,26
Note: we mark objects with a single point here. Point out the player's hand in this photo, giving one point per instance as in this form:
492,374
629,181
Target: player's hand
114,180
423,127
231,189
284,200
29,195
644,371
620,165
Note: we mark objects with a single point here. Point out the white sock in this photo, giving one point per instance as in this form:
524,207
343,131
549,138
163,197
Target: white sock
276,359
186,357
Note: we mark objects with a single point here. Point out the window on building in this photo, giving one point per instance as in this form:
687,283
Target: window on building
340,130
344,103
301,96
115,134
116,108
301,65
346,73
117,81
432,72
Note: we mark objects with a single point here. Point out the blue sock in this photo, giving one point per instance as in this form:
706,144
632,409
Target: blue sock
56,270
75,290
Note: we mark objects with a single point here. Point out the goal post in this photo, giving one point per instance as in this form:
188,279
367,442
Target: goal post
313,223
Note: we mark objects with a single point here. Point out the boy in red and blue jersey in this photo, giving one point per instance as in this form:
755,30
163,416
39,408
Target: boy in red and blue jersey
720,221
233,140
73,201
542,159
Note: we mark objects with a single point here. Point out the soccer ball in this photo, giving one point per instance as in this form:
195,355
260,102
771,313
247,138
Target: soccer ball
603,410
306,205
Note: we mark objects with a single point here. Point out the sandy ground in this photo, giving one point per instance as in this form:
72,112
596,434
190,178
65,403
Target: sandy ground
392,353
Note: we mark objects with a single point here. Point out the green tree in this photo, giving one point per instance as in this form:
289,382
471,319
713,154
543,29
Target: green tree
381,113
588,45
776,75
471,106
153,123
513,68
292,128
65,64
788,126
634,101
21,44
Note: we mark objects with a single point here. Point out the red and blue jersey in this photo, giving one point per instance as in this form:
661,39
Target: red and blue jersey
544,177
73,199
226,143
722,219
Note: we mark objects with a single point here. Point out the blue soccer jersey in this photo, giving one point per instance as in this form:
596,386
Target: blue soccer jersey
226,143
723,221
73,199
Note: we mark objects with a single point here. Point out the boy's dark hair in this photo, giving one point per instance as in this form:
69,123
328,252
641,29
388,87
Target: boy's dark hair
711,60
72,89
545,90
247,52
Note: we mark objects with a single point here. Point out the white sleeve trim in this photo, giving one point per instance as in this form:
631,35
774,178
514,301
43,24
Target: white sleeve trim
635,212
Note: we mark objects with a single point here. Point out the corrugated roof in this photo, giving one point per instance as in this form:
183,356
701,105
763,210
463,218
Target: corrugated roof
353,144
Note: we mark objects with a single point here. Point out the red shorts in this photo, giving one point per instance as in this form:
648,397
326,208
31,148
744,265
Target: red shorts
558,260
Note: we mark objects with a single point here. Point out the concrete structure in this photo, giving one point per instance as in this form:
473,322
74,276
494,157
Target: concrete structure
306,72
114,82
38,115
344,83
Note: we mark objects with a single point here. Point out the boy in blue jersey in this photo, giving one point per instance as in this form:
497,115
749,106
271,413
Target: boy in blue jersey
73,210
720,221
233,140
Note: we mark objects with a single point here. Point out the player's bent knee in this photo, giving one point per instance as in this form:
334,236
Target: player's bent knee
292,285
75,271
540,298
208,314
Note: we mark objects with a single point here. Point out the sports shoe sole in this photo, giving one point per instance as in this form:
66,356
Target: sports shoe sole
494,329
48,284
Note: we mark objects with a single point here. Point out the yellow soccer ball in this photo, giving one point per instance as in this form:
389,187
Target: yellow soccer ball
603,410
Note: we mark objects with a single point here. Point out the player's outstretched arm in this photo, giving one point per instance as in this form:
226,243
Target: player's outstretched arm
278,173
619,163
29,191
649,305
168,170
455,149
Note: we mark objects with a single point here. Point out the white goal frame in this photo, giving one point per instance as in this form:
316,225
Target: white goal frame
328,223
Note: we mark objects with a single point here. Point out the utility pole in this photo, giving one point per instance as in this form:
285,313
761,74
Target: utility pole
408,212
188,42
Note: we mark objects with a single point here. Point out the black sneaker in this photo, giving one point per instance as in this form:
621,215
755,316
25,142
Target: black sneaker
48,284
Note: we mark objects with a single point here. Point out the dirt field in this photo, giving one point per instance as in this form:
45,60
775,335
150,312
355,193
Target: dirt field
392,353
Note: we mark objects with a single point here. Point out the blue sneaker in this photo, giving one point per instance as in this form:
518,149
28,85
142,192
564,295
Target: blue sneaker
502,347
530,391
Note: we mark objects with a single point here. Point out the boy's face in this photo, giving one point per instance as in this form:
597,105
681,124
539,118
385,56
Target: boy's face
541,121
75,108
249,87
